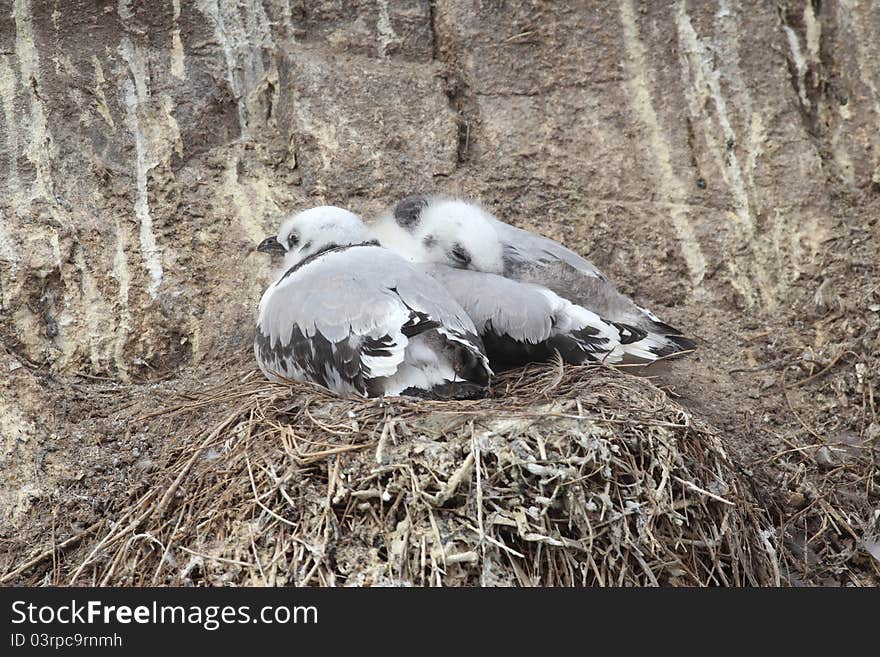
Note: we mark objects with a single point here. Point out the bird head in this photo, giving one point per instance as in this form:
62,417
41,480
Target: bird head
305,233
447,231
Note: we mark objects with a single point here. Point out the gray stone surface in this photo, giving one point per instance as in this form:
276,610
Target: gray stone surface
362,127
693,149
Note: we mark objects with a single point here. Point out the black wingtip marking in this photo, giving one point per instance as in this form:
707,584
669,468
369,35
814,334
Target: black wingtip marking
590,339
408,211
629,333
676,346
417,323
675,343
663,327
468,361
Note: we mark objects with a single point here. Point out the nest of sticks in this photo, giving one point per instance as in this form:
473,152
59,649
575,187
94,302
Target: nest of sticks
563,477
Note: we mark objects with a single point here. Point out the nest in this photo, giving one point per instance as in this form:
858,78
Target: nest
572,476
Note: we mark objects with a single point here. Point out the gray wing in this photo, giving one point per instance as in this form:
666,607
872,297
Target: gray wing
600,297
531,258
525,249
536,259
498,304
597,294
521,322
346,318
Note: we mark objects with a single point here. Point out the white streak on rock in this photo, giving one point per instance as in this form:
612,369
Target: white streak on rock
253,206
7,95
25,46
387,35
7,250
800,63
123,278
701,60
287,18
135,96
867,53
178,68
755,146
56,248
170,133
123,8
728,34
195,321
40,148
244,33
640,98
814,33
101,99
702,80
93,307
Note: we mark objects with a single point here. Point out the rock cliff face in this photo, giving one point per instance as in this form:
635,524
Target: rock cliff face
717,159
148,145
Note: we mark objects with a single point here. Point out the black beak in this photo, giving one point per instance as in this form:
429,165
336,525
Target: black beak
271,245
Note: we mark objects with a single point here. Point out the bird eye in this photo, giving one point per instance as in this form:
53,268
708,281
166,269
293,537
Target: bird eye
460,255
292,240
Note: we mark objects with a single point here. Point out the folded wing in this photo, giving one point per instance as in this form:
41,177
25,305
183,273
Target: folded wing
521,322
349,320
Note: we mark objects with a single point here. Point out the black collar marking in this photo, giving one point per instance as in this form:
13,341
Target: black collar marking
330,248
